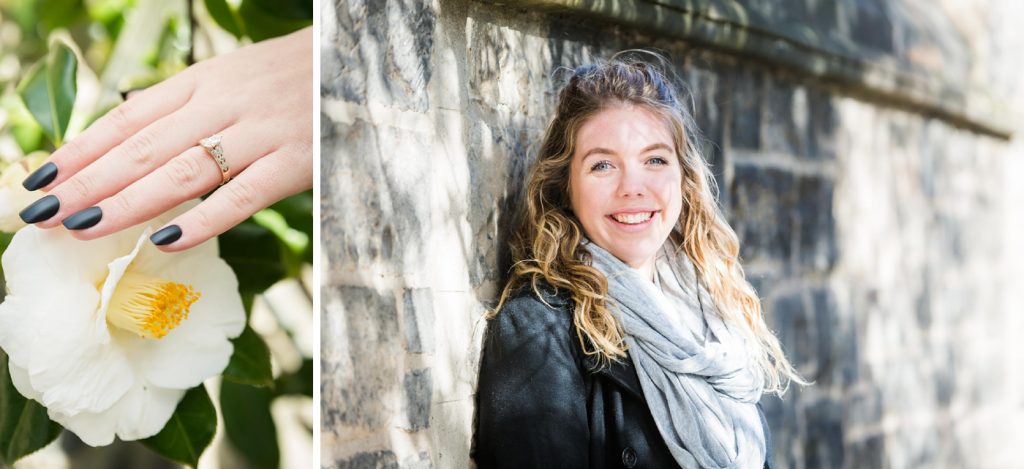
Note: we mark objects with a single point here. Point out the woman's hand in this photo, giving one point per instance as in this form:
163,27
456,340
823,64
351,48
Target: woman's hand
143,157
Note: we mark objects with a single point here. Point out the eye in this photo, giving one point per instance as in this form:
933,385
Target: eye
658,160
601,166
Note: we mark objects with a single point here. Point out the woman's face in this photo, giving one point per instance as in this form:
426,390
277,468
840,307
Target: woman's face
625,183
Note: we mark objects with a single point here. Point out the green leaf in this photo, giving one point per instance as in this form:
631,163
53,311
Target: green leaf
5,240
261,24
250,363
295,240
248,423
60,13
24,12
299,383
189,431
106,11
24,425
247,301
290,9
26,131
48,90
297,211
225,17
254,253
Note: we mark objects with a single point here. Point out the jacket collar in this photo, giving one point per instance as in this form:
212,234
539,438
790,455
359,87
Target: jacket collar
622,373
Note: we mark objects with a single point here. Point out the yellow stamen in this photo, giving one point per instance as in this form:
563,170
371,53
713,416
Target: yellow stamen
150,306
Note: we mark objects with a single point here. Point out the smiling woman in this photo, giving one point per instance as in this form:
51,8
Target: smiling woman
627,335
625,183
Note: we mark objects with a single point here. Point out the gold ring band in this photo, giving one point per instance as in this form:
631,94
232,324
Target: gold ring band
212,146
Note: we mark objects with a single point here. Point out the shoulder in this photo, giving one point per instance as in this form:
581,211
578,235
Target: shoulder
531,394
527,312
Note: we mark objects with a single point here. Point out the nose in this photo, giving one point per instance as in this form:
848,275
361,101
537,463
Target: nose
632,182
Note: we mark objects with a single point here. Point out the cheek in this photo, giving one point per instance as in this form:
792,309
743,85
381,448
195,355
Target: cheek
671,192
587,200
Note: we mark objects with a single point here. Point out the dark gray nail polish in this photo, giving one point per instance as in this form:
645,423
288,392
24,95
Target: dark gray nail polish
128,92
167,235
83,219
41,209
40,177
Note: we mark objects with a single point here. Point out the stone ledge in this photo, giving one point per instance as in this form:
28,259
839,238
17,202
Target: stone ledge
923,70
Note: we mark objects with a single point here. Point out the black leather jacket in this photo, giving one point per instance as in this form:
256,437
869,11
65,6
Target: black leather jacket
539,404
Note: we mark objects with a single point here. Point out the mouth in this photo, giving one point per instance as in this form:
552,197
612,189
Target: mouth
633,218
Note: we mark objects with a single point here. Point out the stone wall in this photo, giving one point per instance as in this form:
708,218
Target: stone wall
883,237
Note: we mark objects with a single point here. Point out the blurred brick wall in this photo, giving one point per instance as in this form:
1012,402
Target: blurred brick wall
884,241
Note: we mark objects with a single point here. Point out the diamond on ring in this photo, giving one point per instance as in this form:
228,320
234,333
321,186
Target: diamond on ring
212,146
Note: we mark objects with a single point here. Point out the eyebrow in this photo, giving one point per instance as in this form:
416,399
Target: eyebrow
605,151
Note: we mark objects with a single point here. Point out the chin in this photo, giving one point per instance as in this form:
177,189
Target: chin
633,257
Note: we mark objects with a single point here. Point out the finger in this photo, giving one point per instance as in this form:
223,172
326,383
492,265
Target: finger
113,128
185,177
260,185
131,93
130,161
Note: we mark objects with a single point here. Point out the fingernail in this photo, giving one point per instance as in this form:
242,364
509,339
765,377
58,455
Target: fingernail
83,219
166,235
126,93
40,177
41,209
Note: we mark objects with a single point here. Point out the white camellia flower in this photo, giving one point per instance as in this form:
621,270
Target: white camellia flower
13,196
108,334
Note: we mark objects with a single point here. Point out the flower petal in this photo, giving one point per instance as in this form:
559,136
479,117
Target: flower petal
54,255
146,410
220,306
116,269
199,347
142,413
76,375
16,325
19,377
50,337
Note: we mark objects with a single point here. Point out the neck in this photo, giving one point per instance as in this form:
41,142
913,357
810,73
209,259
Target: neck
646,269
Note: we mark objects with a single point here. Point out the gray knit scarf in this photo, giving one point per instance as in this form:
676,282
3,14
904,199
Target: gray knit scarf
701,386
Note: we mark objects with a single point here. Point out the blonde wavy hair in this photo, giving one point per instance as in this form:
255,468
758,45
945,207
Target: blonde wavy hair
546,246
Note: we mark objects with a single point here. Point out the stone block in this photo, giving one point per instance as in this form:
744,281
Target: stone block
499,161
863,408
867,452
872,25
822,126
746,101
378,51
945,377
383,459
794,326
417,461
417,390
784,218
400,37
784,128
369,181
418,320
359,366
823,445
509,70
342,66
710,96
782,422
838,355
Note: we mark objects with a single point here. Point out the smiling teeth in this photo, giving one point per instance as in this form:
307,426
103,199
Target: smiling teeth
633,218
